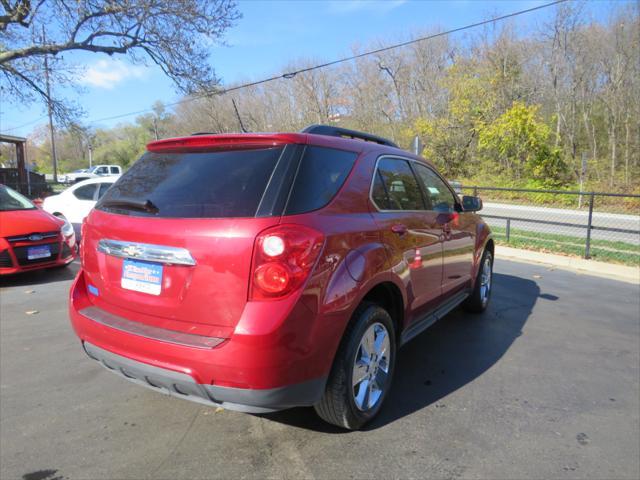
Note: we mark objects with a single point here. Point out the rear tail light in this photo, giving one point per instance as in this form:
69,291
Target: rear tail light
283,258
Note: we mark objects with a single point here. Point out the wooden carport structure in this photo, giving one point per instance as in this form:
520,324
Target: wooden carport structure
21,149
20,144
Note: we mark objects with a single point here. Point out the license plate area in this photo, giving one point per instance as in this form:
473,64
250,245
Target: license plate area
145,277
38,252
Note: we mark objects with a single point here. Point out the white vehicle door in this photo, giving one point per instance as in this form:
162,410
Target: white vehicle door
81,202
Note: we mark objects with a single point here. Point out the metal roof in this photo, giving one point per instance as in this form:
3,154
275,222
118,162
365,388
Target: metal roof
11,139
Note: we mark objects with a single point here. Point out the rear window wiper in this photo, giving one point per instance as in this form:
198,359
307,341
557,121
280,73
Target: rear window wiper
134,203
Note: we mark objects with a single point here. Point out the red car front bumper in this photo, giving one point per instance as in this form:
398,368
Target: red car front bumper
14,256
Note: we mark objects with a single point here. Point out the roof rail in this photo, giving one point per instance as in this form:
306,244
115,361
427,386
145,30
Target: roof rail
330,131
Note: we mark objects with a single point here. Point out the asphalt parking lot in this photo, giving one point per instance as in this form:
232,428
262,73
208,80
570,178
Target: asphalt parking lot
544,385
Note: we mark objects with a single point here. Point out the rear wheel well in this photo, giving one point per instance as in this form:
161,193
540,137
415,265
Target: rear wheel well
388,296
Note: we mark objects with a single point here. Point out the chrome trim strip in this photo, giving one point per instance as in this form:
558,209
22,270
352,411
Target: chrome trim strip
146,251
154,333
24,238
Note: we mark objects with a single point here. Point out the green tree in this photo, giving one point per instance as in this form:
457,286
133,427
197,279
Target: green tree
450,138
517,142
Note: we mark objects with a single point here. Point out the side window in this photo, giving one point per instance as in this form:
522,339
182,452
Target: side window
102,171
321,173
103,189
85,192
380,195
114,170
395,187
438,194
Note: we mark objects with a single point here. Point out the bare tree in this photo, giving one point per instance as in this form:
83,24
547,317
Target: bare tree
173,34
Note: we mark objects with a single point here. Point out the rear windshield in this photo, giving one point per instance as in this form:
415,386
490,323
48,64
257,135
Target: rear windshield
219,184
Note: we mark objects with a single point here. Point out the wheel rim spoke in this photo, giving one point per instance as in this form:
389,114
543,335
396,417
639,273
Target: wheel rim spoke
381,343
374,394
360,372
363,394
367,344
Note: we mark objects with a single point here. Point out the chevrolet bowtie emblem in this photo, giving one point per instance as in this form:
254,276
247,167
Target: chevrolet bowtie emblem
132,250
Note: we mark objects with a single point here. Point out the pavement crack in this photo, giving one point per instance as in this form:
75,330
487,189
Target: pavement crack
176,446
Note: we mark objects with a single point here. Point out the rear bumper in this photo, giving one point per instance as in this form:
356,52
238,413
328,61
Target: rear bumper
184,386
253,371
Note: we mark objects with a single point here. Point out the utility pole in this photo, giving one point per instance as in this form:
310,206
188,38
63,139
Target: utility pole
235,107
417,145
54,156
155,126
90,155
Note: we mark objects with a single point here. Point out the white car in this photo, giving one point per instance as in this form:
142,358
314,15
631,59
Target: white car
93,172
75,203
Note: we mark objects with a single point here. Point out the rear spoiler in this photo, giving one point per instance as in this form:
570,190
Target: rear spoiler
230,140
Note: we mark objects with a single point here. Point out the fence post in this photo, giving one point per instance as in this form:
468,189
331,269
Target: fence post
475,191
587,249
508,229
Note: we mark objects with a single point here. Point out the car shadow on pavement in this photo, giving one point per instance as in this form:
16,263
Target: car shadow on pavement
41,277
449,355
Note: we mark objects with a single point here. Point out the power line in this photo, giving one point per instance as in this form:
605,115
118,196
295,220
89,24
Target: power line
290,75
24,124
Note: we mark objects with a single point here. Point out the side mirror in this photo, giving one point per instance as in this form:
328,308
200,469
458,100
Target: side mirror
471,204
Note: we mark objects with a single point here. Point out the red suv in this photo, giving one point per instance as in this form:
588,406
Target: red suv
260,272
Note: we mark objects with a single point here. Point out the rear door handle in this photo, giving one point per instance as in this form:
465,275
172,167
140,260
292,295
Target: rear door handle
399,229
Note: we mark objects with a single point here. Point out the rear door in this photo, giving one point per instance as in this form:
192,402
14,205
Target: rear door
409,231
187,259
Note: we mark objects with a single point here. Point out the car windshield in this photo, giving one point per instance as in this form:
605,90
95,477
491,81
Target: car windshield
12,200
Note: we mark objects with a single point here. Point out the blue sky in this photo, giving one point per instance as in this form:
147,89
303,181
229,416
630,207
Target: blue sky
270,35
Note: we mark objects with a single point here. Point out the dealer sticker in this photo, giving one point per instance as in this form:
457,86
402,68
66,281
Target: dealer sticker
143,277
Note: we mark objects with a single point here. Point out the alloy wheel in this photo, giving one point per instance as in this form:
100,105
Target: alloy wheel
371,367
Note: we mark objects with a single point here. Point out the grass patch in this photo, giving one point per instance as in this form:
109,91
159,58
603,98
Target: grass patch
601,250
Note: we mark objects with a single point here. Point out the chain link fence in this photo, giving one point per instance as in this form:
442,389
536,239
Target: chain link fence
602,226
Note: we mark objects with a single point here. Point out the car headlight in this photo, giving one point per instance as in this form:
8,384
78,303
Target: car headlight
67,229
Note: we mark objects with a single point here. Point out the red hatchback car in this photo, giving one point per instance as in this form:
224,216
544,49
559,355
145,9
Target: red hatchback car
260,272
31,238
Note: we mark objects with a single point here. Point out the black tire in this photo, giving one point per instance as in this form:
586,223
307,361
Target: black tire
478,301
338,404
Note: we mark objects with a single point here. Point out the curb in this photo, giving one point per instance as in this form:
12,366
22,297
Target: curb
580,265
